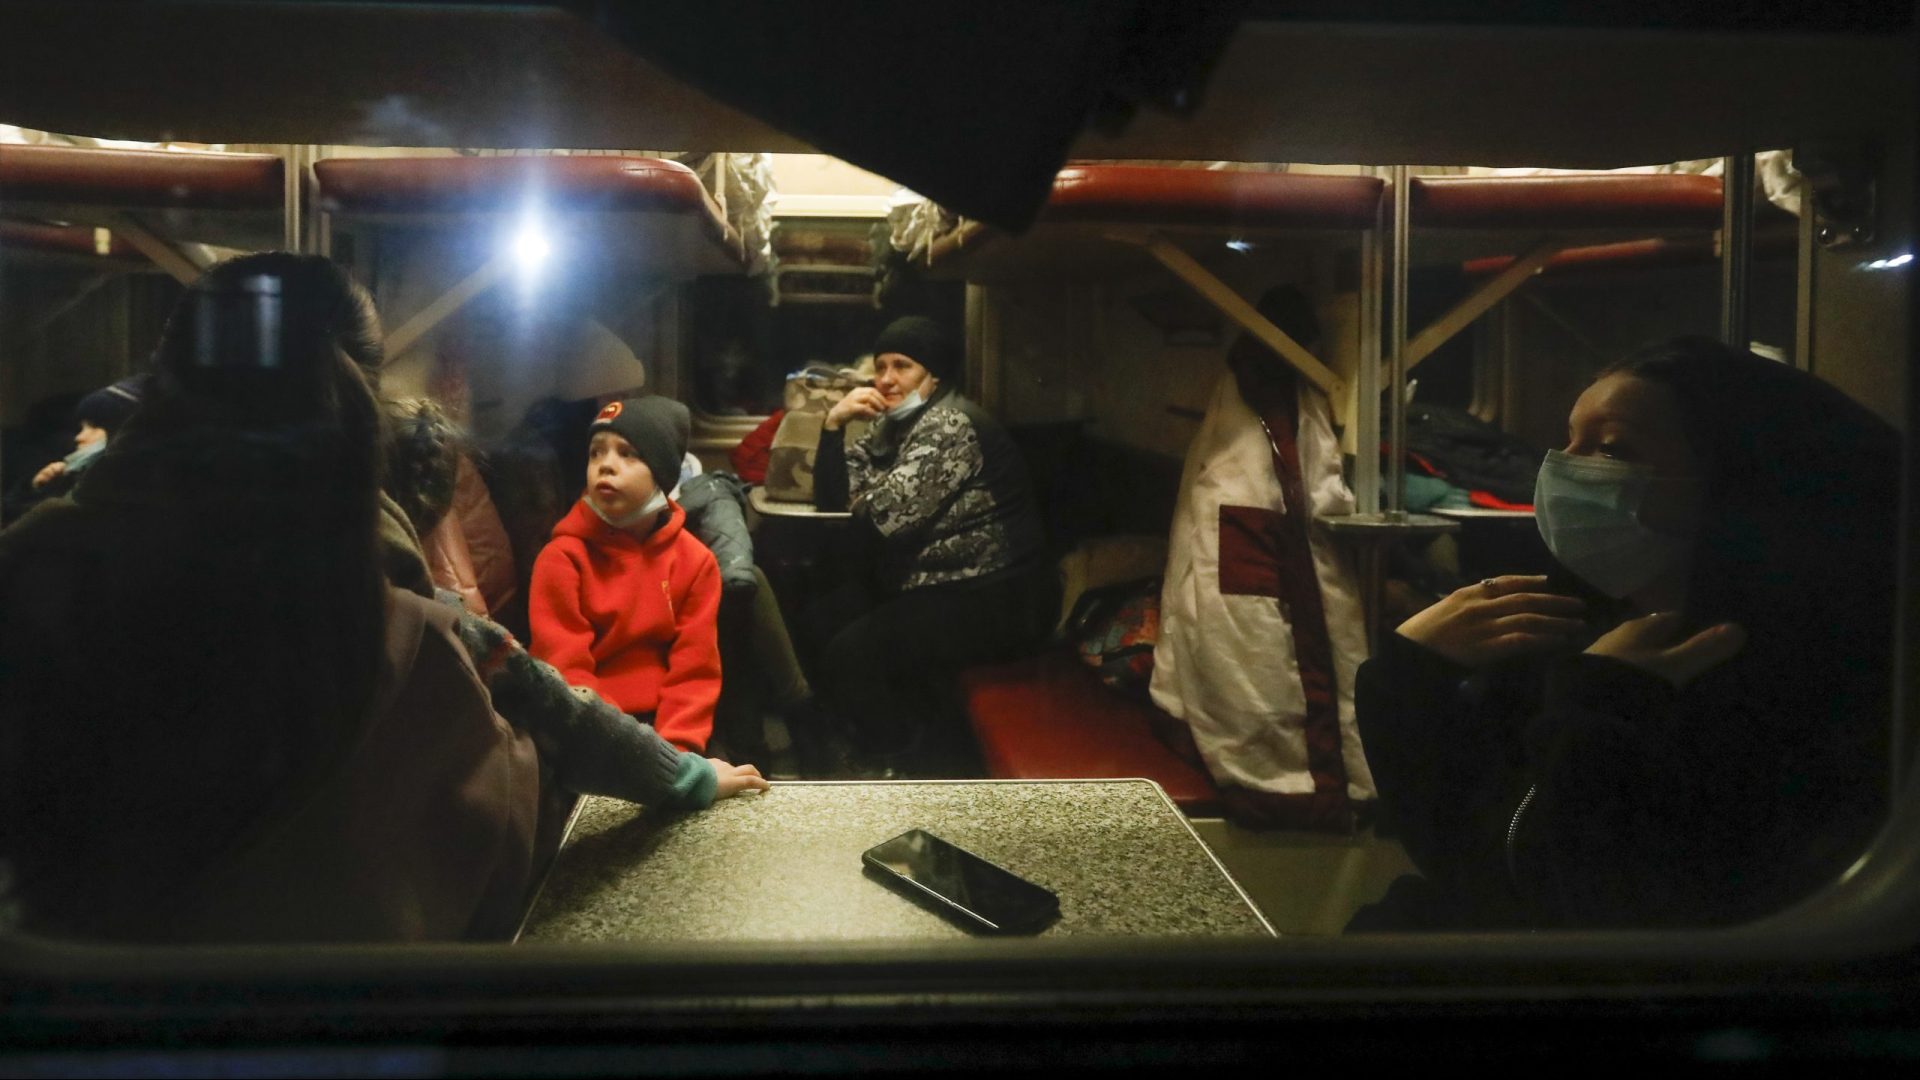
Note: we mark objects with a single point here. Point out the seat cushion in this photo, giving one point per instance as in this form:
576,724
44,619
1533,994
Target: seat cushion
1049,717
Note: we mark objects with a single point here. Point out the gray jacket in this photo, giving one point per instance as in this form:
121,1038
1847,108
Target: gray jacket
715,503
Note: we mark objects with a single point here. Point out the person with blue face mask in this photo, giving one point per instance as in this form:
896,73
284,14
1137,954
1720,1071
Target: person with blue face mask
98,415
941,496
1684,724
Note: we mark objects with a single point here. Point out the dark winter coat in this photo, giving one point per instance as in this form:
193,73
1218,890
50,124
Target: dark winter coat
715,503
144,795
1585,792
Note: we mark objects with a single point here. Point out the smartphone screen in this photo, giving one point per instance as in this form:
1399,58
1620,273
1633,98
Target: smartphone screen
978,893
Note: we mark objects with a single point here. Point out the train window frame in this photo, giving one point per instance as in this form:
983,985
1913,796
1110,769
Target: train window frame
1847,939
1852,941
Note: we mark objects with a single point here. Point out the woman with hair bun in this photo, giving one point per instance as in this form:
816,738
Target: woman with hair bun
222,724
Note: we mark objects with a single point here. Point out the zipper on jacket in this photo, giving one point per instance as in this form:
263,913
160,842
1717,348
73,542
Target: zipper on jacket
1513,833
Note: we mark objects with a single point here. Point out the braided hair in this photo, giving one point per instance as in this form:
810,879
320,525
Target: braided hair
423,459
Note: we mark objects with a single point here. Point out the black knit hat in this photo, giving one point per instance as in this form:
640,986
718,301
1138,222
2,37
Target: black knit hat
921,340
658,428
110,406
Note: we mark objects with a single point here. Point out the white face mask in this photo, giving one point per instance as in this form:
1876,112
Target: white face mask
1588,510
908,406
628,521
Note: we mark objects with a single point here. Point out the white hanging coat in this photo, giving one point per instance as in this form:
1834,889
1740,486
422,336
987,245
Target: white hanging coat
1232,661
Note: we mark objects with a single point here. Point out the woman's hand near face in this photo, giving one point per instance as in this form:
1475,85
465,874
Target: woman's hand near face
1495,620
1653,644
734,779
861,403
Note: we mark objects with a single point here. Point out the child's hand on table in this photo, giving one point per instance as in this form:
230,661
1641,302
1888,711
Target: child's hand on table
734,779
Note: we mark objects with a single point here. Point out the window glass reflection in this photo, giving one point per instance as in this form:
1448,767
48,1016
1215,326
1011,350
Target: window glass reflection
348,594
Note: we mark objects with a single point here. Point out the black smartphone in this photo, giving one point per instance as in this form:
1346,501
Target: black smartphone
964,886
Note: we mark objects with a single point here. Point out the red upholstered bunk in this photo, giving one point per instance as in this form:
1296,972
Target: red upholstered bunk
35,238
1250,203
139,179
1634,254
1211,198
1186,199
1241,202
234,200
1607,200
415,186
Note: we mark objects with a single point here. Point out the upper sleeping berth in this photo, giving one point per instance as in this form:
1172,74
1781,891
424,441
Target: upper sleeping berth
1653,253
232,200
39,243
1097,215
1477,219
1092,203
1638,201
643,209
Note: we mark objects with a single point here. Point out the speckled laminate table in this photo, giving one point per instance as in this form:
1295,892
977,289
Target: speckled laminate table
785,865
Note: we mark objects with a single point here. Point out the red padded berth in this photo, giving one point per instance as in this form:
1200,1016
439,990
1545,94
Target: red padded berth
1211,198
428,185
170,179
1049,717
1613,200
1185,198
1633,254
653,189
75,241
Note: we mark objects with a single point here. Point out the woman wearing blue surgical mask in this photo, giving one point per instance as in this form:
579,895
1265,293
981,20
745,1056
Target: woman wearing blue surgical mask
1687,724
940,490
99,415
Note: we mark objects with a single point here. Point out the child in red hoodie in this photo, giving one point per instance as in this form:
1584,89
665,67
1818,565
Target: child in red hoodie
625,601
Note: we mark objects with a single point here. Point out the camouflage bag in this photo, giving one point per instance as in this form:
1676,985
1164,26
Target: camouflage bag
810,393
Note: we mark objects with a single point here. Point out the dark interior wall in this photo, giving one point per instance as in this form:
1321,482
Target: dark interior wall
537,75
66,331
72,330
1861,332
1558,334
1105,379
1135,355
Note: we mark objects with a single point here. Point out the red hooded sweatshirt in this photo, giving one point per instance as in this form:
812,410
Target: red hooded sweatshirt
636,620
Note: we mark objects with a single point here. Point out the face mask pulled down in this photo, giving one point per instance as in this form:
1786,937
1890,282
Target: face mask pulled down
1589,513
908,406
628,521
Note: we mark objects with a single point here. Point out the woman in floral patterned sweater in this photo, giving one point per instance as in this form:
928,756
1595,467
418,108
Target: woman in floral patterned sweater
960,577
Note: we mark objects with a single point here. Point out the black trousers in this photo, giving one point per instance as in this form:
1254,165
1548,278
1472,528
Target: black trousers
759,671
889,669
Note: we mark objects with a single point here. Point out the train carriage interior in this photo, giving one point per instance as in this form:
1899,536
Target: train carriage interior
1312,492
